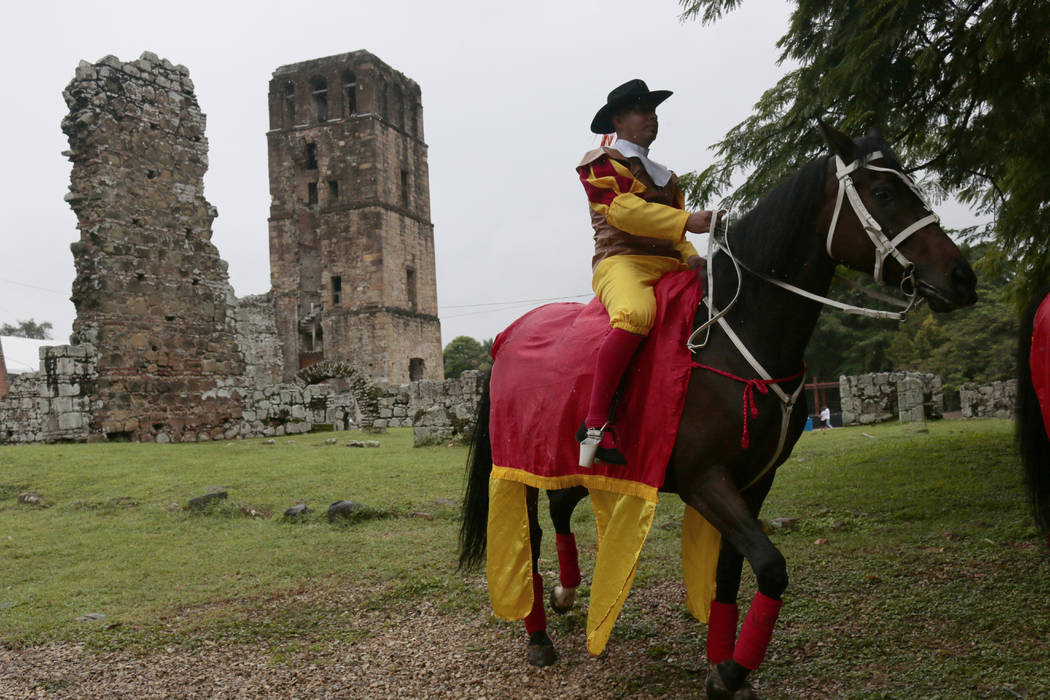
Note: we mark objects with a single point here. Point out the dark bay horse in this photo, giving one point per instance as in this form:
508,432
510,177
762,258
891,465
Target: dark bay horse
798,234
1032,440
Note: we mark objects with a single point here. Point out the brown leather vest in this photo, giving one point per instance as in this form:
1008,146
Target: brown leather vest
609,240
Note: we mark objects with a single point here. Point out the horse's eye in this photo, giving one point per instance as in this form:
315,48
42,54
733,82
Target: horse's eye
882,194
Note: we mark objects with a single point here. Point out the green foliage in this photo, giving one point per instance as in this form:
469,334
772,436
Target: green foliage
27,329
961,88
976,344
465,353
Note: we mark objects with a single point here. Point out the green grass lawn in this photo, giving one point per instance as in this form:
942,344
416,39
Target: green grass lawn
115,539
914,563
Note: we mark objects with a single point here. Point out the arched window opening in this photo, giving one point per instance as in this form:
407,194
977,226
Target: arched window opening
349,93
319,92
289,104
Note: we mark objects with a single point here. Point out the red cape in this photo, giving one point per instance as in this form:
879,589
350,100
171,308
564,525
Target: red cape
543,367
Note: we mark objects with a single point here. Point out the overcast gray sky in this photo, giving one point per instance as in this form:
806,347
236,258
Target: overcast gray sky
509,90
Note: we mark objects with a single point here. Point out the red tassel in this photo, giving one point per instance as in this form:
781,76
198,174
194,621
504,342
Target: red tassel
536,620
757,631
721,631
568,560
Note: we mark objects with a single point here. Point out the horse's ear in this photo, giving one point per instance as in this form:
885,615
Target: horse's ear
838,143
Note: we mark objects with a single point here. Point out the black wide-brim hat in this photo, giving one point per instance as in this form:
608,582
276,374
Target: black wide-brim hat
631,92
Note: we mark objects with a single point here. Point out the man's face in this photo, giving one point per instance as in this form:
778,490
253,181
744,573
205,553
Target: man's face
637,124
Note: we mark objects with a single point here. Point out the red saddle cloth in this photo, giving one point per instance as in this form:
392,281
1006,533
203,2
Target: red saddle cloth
543,367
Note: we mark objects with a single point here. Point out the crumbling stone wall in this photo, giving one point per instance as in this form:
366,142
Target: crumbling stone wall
440,411
256,336
54,404
151,292
873,398
3,373
996,400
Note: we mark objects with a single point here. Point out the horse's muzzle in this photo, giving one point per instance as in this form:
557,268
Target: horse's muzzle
959,290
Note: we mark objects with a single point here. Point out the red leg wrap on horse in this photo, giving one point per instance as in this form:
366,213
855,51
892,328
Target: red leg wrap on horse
568,563
757,631
721,631
536,620
613,357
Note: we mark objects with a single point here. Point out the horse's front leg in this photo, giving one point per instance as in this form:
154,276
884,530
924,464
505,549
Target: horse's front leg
541,648
712,492
562,502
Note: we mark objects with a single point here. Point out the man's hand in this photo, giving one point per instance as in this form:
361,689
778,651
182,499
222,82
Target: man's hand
700,221
694,262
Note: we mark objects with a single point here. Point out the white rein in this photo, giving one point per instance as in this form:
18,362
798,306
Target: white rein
884,247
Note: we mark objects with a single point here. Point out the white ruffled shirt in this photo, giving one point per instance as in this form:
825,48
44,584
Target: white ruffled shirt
659,173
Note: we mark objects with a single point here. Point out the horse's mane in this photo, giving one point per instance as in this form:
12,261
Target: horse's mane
769,235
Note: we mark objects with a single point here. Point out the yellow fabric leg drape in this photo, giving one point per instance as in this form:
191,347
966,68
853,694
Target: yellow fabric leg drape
700,546
509,562
623,523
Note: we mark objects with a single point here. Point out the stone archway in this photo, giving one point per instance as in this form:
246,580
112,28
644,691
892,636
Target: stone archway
361,387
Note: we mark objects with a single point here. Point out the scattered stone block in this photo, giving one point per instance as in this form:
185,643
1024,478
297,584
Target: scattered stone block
363,443
342,509
91,617
784,523
207,499
298,510
30,499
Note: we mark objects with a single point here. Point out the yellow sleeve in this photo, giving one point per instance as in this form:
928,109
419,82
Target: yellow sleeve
613,192
631,213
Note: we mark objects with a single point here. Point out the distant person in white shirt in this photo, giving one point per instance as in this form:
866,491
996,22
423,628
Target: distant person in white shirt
825,417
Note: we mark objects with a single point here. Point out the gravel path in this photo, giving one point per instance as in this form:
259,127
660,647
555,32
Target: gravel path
414,653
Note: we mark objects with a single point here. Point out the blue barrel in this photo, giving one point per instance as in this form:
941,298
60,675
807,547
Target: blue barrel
809,423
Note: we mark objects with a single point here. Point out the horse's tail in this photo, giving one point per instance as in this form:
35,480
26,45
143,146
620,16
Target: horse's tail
474,527
1032,440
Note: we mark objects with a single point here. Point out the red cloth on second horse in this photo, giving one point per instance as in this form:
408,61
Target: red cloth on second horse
543,367
1039,359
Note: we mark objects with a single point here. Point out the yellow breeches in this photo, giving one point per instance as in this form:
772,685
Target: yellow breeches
624,284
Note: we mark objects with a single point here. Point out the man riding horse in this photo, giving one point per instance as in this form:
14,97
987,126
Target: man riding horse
639,219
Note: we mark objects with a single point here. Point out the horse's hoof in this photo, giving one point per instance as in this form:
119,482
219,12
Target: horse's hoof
717,690
716,687
562,599
541,650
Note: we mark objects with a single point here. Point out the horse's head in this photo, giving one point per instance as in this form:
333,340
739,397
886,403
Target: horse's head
876,220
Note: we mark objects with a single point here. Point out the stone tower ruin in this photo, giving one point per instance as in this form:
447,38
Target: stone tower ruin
151,292
351,242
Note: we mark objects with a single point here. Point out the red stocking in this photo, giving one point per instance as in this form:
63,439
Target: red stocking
536,620
568,563
757,631
721,631
613,357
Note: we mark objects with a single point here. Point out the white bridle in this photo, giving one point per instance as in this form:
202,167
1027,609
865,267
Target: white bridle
884,246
